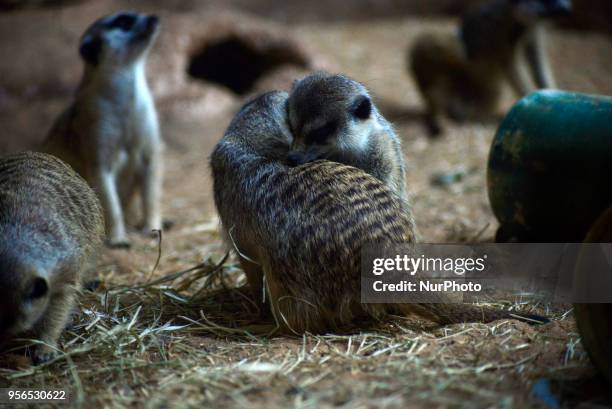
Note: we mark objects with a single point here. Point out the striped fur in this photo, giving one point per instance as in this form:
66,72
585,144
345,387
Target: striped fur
51,225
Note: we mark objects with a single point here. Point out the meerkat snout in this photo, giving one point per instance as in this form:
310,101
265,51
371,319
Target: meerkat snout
24,293
119,39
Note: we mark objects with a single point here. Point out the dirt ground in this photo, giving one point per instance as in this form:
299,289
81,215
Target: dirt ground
122,355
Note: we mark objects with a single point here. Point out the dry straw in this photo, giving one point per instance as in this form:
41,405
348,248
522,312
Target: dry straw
192,338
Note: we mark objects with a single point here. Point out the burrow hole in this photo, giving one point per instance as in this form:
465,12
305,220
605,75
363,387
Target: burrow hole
237,64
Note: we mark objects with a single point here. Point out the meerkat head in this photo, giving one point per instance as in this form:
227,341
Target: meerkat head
267,135
24,294
529,11
329,116
119,39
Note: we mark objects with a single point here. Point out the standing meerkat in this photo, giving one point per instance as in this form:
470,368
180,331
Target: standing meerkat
51,226
333,117
502,40
299,230
110,134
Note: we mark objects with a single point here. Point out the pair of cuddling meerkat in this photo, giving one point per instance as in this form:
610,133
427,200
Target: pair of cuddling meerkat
53,211
303,181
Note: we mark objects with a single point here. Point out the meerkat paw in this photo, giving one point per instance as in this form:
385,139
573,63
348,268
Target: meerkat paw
150,233
119,243
151,230
43,354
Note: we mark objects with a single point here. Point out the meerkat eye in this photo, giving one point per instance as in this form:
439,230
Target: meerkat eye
123,22
362,108
320,135
90,49
39,289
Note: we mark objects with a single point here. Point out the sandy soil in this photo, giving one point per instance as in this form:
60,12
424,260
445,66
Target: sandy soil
40,69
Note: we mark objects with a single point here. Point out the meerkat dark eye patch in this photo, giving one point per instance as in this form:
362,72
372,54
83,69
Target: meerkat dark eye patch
362,108
320,135
123,22
90,50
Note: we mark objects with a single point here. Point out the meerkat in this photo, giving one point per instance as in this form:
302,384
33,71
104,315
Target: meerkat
51,227
502,40
333,117
110,134
299,230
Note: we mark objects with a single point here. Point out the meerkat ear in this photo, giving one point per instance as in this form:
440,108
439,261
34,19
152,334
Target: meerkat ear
90,50
362,107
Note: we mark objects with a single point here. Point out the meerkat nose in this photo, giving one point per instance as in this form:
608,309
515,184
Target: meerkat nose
296,158
152,21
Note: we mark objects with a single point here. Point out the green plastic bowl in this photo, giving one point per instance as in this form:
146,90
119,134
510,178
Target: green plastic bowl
550,166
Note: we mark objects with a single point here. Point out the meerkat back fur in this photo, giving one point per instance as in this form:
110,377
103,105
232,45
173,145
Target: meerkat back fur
333,117
51,226
299,230
501,40
110,134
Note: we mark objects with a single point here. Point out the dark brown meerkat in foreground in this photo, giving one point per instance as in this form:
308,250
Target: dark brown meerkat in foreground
333,117
502,40
110,134
302,228
51,226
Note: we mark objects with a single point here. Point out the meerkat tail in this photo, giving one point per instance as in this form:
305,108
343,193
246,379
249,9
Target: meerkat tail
445,314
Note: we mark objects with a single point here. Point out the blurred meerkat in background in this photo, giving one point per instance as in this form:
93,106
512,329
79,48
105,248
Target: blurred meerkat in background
299,230
502,40
51,227
333,117
110,134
